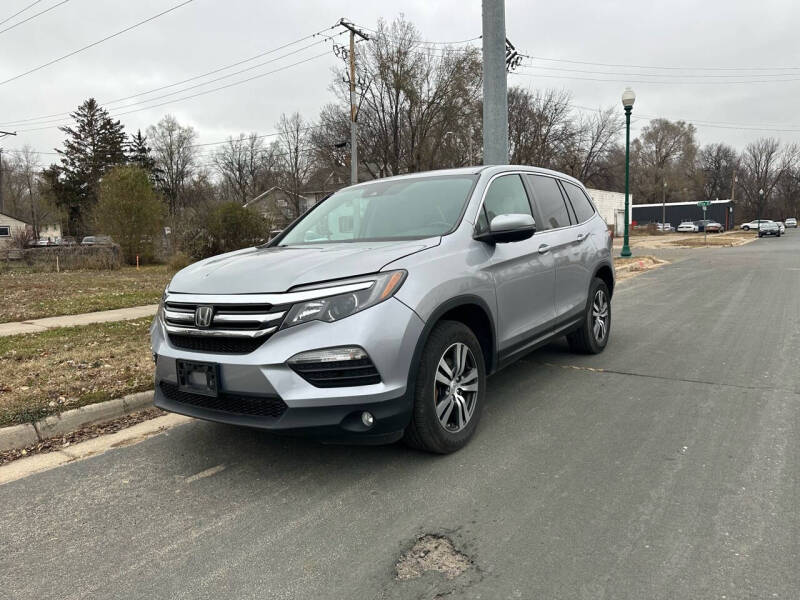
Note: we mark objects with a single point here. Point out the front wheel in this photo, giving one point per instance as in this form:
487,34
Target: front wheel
449,390
746,228
592,336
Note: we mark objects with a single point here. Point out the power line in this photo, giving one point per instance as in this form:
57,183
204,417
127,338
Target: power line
222,87
198,85
424,42
19,12
669,75
9,28
93,44
646,81
600,64
45,118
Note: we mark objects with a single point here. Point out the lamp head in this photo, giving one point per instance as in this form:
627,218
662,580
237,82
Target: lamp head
628,98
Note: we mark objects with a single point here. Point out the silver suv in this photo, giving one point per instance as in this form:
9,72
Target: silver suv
379,313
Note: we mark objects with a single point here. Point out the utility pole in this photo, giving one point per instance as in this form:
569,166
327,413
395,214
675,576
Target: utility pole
2,195
495,87
354,31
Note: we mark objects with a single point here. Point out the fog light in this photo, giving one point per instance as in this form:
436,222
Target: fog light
367,419
329,355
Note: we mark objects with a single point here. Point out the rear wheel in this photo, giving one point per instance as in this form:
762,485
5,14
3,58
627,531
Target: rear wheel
449,390
592,336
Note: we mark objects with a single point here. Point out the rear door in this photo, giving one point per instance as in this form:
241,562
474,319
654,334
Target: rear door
524,276
571,297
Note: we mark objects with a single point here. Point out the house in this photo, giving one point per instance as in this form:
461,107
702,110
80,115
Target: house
611,206
278,205
9,226
51,231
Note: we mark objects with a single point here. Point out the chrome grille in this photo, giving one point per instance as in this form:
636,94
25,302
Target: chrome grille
236,325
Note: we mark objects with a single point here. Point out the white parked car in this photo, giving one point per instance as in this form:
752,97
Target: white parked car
665,227
688,227
781,226
753,224
791,222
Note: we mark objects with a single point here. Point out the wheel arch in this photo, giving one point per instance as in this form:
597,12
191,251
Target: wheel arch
605,273
474,312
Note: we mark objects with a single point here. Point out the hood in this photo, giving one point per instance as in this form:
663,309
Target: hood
277,269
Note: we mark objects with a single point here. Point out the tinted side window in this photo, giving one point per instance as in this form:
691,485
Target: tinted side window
549,201
505,196
583,208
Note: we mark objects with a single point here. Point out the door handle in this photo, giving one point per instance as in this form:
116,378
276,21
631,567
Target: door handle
581,237
544,249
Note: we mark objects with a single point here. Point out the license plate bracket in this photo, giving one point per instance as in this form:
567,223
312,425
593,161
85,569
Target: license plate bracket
198,377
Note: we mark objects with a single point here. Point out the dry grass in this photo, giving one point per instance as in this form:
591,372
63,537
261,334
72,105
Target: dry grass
687,240
53,371
33,295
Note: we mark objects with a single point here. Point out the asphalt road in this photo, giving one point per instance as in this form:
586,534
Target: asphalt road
673,473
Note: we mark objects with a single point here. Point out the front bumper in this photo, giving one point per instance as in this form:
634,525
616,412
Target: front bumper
388,332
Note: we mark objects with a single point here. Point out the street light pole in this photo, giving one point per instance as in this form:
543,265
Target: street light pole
664,205
628,98
760,201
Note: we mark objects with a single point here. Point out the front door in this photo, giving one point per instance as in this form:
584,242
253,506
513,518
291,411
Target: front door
523,271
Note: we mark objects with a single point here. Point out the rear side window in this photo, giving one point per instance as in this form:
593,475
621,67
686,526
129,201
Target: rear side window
552,210
505,196
580,203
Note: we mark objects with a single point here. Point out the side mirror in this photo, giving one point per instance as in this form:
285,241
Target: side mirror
508,228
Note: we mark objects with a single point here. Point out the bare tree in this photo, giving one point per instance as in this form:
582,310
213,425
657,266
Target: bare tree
418,107
174,154
764,164
295,160
716,165
664,151
246,166
594,142
540,128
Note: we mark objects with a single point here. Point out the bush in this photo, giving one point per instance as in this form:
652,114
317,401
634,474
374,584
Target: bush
225,228
130,211
179,260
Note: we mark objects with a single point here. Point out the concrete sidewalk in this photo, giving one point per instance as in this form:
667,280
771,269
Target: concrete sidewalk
103,316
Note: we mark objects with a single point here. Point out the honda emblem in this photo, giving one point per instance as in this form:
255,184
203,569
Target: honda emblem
203,315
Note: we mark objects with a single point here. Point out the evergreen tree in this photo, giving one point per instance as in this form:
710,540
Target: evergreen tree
139,153
92,146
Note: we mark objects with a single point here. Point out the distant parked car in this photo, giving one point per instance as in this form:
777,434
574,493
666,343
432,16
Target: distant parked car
688,227
67,240
781,226
714,227
665,227
96,240
41,242
791,222
753,224
769,228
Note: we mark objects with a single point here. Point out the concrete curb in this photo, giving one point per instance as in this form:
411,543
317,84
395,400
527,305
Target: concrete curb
19,436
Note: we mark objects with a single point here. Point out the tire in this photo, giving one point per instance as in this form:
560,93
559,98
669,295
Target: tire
746,228
760,235
590,339
427,431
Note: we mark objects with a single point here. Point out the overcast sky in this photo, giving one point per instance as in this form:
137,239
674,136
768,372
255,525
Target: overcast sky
739,39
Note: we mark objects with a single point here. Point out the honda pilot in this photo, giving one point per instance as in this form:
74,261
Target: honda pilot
379,313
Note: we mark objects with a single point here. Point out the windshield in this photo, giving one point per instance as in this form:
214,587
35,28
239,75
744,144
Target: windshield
386,210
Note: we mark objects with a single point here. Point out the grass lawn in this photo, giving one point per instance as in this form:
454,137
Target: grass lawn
53,371
26,296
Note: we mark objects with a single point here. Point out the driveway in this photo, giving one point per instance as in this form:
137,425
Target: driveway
667,467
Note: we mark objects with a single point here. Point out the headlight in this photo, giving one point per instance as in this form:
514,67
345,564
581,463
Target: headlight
338,307
160,310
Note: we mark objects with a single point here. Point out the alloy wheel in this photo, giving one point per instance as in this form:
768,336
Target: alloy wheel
600,314
456,387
